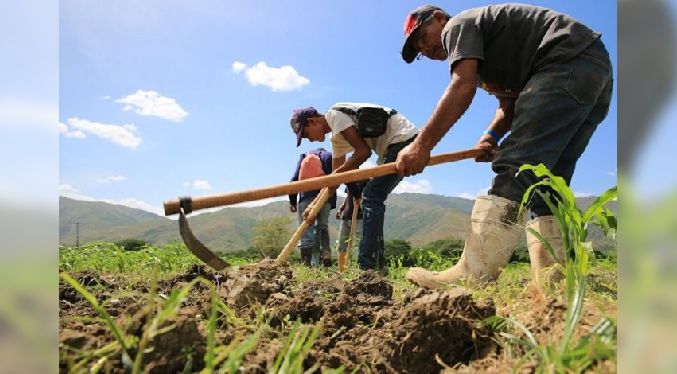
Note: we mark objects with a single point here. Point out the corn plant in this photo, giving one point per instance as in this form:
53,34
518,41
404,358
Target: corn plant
574,227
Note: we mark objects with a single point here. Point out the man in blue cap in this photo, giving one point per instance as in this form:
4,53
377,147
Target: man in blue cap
552,78
361,128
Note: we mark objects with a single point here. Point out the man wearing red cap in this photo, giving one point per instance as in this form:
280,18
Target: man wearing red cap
552,78
360,128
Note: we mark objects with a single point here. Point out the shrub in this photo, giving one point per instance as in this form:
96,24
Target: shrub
132,244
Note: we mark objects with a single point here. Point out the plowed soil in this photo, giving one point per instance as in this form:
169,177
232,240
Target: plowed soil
363,328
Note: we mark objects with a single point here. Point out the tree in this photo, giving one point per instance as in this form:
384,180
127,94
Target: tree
394,249
270,235
131,244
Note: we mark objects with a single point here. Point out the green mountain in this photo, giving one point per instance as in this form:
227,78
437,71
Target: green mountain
417,218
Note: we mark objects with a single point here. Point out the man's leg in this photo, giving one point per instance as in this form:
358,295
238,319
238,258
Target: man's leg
307,242
322,233
374,195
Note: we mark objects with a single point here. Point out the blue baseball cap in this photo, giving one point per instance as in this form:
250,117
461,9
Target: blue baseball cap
299,120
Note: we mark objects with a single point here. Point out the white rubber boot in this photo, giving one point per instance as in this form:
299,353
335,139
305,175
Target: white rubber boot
539,255
494,234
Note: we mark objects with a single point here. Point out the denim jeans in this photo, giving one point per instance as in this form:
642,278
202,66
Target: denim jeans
317,236
374,194
555,115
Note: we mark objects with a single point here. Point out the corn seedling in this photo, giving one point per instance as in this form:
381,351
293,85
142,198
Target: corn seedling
574,225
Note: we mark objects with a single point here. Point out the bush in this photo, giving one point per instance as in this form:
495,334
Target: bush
271,235
394,249
132,244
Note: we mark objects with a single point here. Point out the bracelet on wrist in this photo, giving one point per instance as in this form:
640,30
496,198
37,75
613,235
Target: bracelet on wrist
493,134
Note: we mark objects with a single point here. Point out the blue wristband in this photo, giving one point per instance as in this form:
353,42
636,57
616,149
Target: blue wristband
493,135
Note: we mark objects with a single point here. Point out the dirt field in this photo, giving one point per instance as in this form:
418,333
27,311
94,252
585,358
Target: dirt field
362,326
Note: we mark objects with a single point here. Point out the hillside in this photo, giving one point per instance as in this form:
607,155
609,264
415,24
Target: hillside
417,218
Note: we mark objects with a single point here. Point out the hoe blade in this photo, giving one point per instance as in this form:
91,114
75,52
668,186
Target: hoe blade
199,249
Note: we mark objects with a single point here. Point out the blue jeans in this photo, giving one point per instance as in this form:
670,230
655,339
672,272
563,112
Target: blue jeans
317,236
555,115
374,194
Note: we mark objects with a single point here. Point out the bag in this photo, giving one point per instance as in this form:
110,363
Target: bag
311,167
372,122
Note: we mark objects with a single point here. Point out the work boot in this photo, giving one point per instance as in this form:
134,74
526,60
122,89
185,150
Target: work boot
539,255
494,233
342,261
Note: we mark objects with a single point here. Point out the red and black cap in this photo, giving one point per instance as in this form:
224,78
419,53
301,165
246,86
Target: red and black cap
414,19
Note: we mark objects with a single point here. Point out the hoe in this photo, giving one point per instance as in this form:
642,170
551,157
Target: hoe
186,205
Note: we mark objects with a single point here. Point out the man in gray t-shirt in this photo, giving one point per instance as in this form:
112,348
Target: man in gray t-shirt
552,78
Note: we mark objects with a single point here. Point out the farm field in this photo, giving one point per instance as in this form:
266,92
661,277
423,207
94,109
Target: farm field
158,309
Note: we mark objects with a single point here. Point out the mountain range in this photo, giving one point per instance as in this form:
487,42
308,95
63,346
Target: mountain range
417,218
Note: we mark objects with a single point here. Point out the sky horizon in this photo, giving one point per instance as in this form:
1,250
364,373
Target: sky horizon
163,99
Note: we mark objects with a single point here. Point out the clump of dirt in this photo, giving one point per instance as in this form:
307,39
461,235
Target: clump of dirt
254,284
408,337
370,283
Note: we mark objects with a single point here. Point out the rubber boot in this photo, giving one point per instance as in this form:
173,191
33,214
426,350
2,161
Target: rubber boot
342,261
539,255
493,236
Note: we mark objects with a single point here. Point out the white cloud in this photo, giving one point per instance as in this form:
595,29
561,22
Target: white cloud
138,204
22,112
122,135
151,103
198,185
284,78
612,173
466,195
111,179
251,204
68,190
582,194
239,66
65,131
421,186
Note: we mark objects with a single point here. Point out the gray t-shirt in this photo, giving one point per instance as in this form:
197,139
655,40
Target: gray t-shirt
513,41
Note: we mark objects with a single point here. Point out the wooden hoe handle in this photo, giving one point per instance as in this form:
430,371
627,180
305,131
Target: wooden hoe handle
204,202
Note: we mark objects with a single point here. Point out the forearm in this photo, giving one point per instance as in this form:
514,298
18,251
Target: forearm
354,161
502,120
451,106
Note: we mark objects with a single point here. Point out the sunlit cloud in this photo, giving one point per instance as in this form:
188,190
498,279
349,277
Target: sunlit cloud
280,79
69,191
198,185
123,135
65,131
420,186
151,103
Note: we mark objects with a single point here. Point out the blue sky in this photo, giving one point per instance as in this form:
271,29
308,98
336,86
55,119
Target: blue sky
164,98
